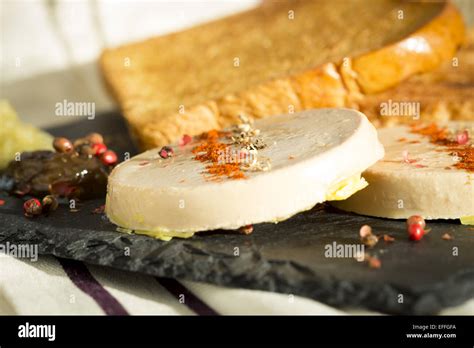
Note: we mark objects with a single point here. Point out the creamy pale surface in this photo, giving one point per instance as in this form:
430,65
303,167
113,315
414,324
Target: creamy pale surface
316,155
398,189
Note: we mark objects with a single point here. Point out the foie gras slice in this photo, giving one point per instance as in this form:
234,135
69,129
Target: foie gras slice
315,155
425,171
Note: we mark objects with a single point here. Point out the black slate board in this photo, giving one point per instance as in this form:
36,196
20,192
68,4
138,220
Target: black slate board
288,257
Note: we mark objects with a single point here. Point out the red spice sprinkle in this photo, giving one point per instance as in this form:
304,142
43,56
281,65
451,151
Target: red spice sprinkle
436,134
2,202
143,163
210,150
440,136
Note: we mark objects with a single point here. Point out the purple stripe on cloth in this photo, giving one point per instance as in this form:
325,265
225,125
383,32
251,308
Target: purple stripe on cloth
192,301
84,280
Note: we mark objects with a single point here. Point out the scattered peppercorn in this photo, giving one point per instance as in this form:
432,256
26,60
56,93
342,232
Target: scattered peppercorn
185,140
462,137
366,236
109,157
50,203
415,232
416,227
416,219
99,148
166,152
246,229
32,207
95,138
365,231
62,145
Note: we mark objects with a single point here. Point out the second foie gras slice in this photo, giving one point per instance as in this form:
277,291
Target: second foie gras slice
303,159
427,170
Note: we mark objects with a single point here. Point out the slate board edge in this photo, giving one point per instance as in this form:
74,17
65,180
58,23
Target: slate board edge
260,275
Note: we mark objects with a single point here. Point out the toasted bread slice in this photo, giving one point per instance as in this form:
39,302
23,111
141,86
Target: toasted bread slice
444,94
281,57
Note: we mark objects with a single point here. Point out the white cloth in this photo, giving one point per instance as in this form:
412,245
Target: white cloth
42,287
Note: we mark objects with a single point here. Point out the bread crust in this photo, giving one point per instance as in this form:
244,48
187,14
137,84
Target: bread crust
334,84
443,94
